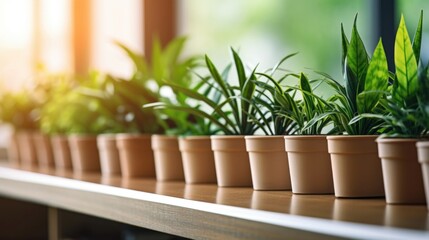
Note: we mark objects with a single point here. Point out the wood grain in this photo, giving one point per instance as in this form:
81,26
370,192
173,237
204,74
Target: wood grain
209,212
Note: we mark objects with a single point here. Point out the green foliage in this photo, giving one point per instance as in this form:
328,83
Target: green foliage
123,98
365,81
20,109
405,106
228,107
73,108
295,113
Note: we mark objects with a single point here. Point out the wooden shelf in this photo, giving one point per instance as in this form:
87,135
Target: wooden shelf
209,212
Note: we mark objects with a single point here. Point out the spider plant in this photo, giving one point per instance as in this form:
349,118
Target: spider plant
291,115
228,107
365,81
403,113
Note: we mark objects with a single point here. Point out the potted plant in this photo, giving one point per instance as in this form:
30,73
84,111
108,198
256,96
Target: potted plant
234,115
310,168
268,158
148,83
401,171
194,131
355,164
19,109
423,118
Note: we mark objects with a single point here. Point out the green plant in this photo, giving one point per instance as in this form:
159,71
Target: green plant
366,80
403,113
124,98
289,113
71,109
20,109
228,107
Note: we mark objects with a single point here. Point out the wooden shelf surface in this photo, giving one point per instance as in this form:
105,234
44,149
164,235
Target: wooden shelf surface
209,212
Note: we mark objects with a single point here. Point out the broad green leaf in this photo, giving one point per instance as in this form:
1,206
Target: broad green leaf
405,86
345,45
356,65
376,79
417,41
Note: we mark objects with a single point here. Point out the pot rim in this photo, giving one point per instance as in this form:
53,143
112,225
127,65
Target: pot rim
126,136
395,140
162,136
261,137
220,137
351,137
84,136
422,144
292,137
196,137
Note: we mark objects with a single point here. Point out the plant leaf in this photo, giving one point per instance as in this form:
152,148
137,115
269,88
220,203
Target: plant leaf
345,45
405,86
377,78
417,41
356,65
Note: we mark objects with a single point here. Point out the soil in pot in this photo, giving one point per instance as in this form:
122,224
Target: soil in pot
61,151
402,174
84,153
309,164
198,159
109,155
135,155
168,159
231,161
268,162
356,167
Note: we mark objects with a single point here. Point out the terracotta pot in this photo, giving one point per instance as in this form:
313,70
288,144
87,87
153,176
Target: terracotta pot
27,151
13,149
109,155
198,159
135,155
309,164
84,153
43,146
231,161
61,151
268,162
168,159
402,175
356,167
423,156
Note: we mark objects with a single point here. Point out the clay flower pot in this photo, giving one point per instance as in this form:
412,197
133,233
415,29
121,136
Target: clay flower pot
43,146
356,167
402,175
268,162
231,161
13,149
309,164
84,153
198,159
135,155
109,155
27,150
61,151
168,159
423,156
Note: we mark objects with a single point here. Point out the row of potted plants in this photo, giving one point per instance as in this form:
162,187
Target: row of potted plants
313,144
